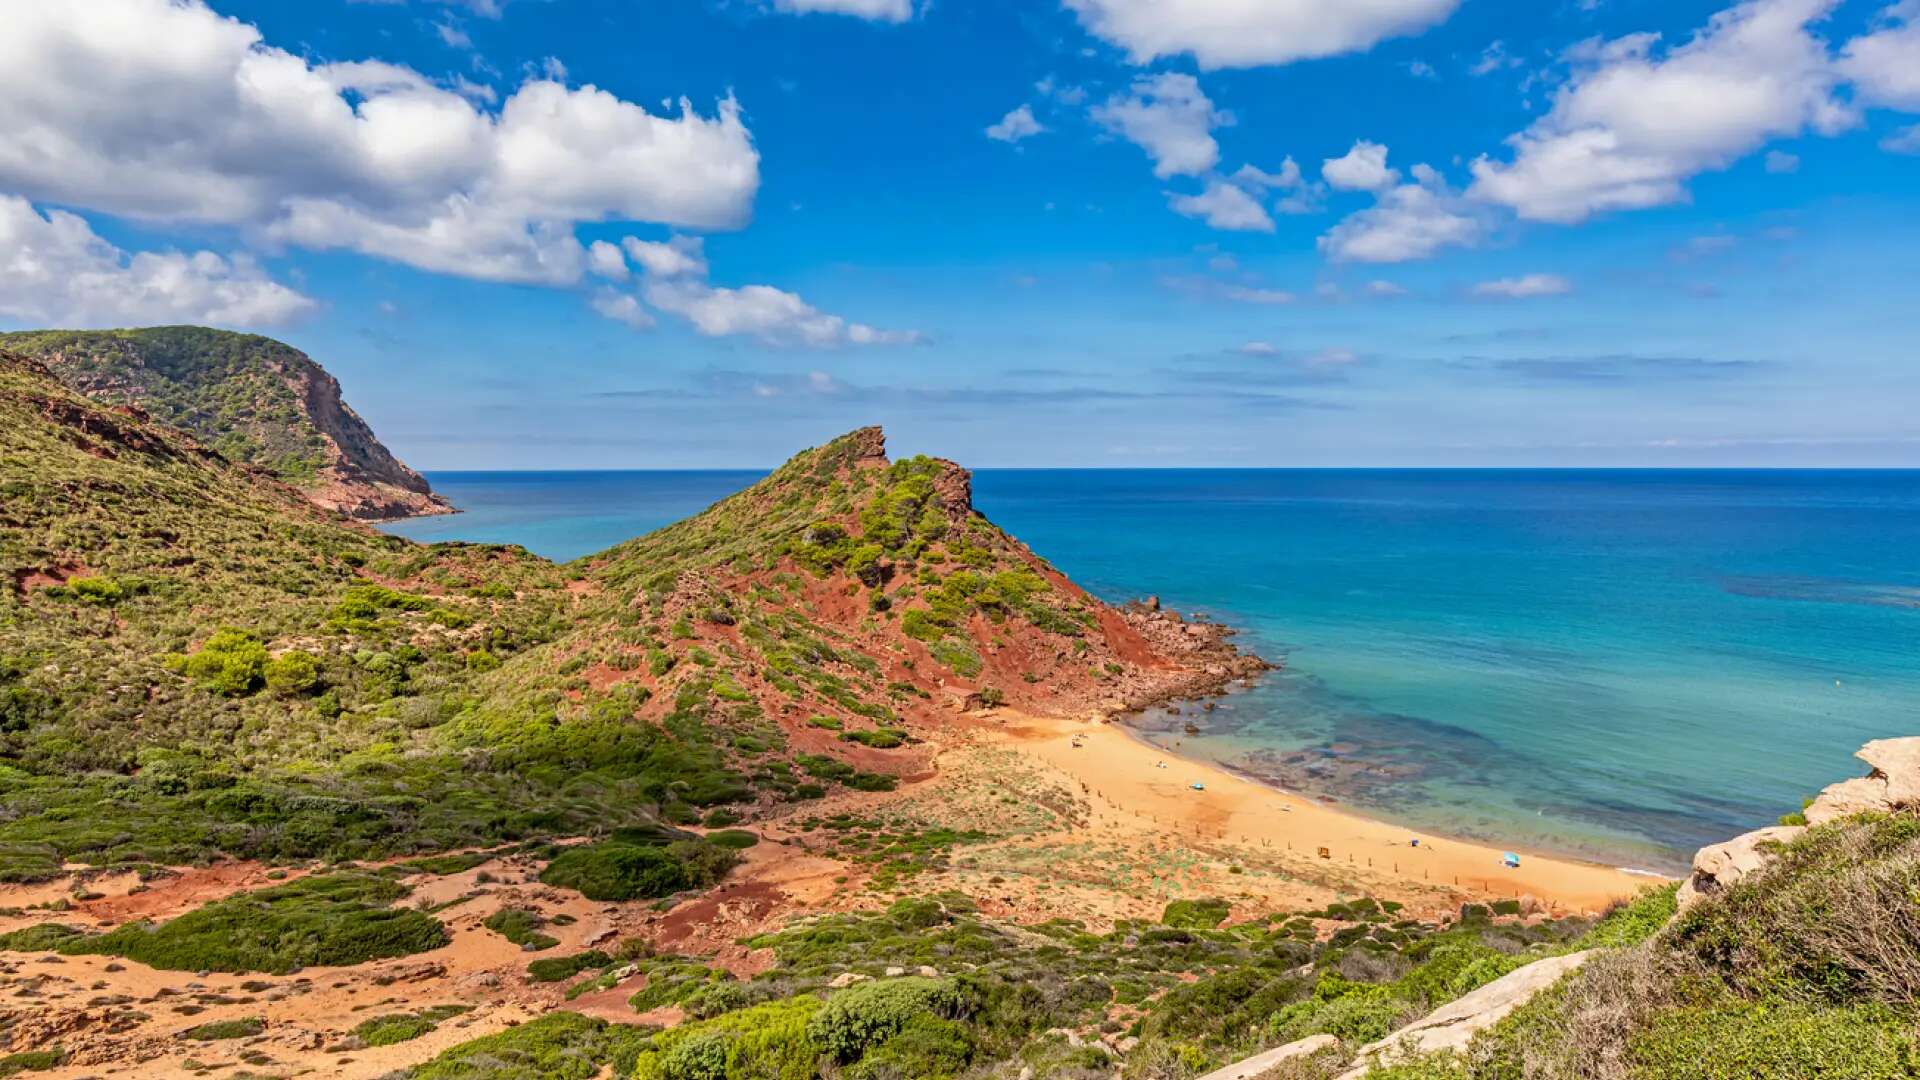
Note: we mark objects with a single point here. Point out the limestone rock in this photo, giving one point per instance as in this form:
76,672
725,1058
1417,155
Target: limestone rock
1717,866
1453,1026
846,979
1860,795
1261,1062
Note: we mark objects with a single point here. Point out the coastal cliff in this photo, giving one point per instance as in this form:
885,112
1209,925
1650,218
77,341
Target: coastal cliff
816,783
253,399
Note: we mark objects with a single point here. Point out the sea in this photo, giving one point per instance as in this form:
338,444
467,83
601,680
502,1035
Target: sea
1618,665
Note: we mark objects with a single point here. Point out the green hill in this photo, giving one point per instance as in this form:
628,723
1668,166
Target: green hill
251,398
195,660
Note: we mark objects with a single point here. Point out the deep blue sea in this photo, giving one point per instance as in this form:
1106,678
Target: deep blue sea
1617,664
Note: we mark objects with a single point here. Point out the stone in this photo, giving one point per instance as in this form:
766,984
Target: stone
846,979
1260,1063
1717,866
1453,1026
1897,761
1861,795
895,972
928,971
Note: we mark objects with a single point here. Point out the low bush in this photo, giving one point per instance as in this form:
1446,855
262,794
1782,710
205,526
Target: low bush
562,968
521,926
226,1029
612,870
334,920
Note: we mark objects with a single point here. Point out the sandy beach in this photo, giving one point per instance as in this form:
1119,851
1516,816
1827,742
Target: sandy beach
1136,786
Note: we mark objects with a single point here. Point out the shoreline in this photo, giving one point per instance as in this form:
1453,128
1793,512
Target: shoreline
1440,832
1151,788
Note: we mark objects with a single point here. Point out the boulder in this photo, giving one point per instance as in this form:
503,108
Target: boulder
1717,866
1893,783
1261,1062
1453,1026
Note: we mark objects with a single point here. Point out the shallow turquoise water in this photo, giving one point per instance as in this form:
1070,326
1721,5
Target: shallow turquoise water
1623,665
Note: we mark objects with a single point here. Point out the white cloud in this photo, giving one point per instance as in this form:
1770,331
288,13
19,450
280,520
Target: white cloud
167,111
1526,287
682,256
1780,162
1224,206
1363,168
1384,289
1630,129
1259,348
774,316
1016,125
1331,358
676,282
1904,141
1885,66
605,261
1169,117
55,270
1412,221
1250,33
1247,294
622,308
879,10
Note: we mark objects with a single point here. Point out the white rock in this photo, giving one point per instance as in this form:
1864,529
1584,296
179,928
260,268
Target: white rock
1261,1062
846,979
1453,1026
1717,866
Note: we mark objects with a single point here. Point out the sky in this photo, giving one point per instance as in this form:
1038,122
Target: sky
541,234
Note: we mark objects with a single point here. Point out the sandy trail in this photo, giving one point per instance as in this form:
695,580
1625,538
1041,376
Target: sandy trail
1134,787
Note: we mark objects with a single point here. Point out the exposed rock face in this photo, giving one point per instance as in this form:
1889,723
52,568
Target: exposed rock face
1257,1065
1717,866
254,400
1453,1026
1894,784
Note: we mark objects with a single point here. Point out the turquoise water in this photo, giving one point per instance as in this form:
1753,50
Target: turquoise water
1617,664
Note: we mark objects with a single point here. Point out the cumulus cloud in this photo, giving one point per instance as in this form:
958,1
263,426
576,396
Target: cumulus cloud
1169,117
1525,287
1224,205
606,261
622,308
168,111
1016,125
1363,168
1408,222
774,316
682,256
1250,33
55,270
878,10
1884,66
676,282
1632,127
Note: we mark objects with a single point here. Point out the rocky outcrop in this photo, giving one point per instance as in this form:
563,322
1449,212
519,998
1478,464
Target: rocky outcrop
1453,1026
1258,1065
254,400
1893,784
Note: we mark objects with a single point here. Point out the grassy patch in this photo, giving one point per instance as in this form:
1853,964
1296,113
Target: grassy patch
334,920
614,870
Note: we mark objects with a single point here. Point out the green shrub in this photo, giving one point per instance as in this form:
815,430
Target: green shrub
557,1046
231,662
226,1029
561,968
765,1042
293,673
32,1061
40,937
733,839
392,1028
927,1047
1762,1040
334,920
96,590
521,926
867,1014
1196,914
612,870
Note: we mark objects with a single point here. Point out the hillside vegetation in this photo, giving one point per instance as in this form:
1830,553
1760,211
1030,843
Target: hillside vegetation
195,661
254,400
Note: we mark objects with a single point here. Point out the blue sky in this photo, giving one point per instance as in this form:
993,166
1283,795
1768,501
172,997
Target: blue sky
1059,232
